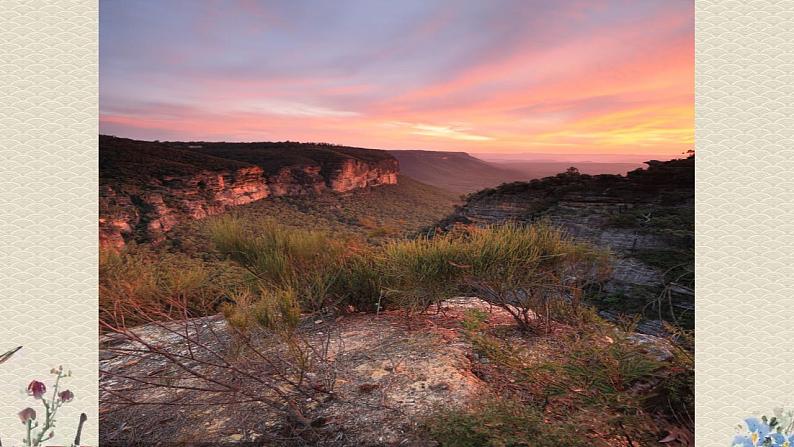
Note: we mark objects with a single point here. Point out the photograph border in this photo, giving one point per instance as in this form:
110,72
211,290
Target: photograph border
48,213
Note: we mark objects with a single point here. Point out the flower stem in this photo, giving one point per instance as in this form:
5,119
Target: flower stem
50,408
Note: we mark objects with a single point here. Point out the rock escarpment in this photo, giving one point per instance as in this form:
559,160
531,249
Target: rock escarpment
146,188
646,218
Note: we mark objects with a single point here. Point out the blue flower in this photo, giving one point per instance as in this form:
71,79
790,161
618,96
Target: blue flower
743,441
780,440
758,432
758,429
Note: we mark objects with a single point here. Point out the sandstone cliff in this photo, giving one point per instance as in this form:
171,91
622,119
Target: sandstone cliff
146,188
646,218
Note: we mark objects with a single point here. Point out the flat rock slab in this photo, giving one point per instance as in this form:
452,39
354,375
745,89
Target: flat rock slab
390,372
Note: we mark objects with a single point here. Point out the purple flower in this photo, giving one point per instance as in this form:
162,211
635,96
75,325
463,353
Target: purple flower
66,396
36,389
28,414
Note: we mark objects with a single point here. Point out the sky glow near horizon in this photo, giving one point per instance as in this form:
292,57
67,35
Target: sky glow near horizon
498,76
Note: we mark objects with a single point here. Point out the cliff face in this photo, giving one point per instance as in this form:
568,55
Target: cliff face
646,218
147,188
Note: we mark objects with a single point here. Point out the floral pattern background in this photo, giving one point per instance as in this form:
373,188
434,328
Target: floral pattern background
39,426
744,220
48,209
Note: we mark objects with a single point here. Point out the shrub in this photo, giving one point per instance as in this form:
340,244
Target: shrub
359,281
596,379
500,423
534,272
305,262
675,397
274,309
607,377
139,281
418,273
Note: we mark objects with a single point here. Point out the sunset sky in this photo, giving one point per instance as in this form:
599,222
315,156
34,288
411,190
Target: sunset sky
501,76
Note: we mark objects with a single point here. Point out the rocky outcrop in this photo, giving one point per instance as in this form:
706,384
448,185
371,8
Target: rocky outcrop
386,375
353,174
146,213
147,188
645,218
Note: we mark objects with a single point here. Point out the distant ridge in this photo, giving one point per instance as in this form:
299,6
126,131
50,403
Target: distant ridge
558,157
454,171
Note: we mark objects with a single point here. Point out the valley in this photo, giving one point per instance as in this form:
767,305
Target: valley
454,171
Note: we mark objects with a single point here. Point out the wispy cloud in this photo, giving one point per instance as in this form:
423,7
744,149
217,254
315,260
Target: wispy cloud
297,109
454,133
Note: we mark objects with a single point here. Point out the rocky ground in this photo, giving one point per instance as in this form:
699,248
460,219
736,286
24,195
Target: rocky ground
388,374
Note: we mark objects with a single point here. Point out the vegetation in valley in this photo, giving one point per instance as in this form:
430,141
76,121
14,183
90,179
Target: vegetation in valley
371,215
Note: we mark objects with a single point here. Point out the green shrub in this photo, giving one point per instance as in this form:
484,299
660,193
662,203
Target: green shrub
418,273
138,284
359,282
607,377
303,261
276,310
596,379
675,397
534,272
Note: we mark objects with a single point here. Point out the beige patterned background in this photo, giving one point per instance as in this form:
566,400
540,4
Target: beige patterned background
745,220
48,208
745,212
